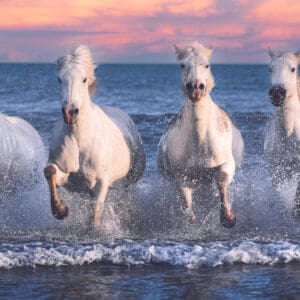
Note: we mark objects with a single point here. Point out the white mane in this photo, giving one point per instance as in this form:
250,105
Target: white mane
196,49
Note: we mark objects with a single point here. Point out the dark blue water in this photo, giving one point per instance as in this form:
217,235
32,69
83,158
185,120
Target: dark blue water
146,248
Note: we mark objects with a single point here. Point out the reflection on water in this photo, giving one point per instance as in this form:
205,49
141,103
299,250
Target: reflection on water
151,282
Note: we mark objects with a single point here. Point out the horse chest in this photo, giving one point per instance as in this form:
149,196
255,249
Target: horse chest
286,152
191,151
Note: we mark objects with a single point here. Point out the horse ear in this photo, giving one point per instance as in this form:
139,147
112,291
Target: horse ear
271,52
177,49
209,51
203,50
180,54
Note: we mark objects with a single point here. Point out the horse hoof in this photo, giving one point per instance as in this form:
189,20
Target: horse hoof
60,212
296,213
96,226
226,221
190,214
192,219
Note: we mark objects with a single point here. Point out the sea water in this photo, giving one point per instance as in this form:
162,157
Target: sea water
146,248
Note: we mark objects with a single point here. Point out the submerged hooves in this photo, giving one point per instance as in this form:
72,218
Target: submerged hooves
61,211
190,214
296,212
227,221
96,227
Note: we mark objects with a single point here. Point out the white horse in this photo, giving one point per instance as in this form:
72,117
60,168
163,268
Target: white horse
282,140
93,147
202,143
22,153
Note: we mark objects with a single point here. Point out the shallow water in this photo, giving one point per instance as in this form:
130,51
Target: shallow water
151,282
146,248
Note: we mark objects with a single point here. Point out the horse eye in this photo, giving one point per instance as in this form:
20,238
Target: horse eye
293,70
84,80
182,66
59,80
207,66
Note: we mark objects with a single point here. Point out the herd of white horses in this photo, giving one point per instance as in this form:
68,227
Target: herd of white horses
96,147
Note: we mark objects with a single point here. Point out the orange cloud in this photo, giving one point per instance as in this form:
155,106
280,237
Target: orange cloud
41,30
277,11
60,13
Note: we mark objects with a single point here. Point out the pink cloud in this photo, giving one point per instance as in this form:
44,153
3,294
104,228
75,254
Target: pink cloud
115,28
276,12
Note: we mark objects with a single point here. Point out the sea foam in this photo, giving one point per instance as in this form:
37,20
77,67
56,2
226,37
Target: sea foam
130,253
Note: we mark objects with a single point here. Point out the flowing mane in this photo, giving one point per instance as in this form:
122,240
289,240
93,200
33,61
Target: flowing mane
194,50
82,56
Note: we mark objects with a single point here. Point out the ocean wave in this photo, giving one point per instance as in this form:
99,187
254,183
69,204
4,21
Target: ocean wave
130,253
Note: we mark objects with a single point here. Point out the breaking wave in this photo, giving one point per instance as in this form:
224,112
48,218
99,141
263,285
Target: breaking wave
130,253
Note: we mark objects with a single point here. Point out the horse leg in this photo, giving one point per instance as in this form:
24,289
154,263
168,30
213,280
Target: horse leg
227,217
187,194
101,193
297,201
56,177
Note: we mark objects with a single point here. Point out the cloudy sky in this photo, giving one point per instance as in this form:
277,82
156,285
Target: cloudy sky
145,30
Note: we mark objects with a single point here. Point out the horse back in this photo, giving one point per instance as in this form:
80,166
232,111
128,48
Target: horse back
20,139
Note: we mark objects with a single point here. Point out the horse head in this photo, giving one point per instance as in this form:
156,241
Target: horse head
197,80
75,74
284,76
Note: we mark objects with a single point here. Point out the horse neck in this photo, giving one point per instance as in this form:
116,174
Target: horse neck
289,115
197,115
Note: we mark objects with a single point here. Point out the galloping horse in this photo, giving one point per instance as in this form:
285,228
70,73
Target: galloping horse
22,153
93,147
282,141
202,143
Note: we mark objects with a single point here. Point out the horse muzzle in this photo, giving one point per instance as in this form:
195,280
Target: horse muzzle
196,91
195,95
277,95
70,115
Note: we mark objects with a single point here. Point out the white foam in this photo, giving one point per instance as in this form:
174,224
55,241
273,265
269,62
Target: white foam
127,252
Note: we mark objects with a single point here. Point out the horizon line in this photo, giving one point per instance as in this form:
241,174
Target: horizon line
133,63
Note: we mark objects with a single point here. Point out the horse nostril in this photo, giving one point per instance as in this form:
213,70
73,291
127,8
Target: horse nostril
189,86
201,86
74,111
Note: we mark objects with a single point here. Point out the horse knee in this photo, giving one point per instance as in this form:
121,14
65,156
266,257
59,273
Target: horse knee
49,171
226,173
53,171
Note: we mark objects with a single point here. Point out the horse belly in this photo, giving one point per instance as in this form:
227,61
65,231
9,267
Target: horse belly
187,167
120,165
79,183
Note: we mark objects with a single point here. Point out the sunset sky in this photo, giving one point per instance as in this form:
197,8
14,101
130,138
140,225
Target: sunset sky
145,30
